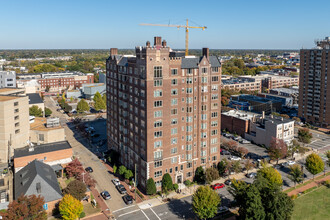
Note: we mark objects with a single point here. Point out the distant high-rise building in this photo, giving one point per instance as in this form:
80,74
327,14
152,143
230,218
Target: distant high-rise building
164,111
314,89
7,79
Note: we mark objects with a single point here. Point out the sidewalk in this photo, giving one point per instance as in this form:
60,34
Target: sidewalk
100,201
308,186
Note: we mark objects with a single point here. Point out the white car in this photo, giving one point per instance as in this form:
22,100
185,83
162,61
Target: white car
235,158
116,182
290,162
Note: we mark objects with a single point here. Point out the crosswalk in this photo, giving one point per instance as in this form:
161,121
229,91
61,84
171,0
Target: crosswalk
320,143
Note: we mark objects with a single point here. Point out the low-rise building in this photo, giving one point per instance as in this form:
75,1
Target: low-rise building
7,79
35,99
249,84
58,153
265,128
90,90
38,178
46,130
236,121
5,186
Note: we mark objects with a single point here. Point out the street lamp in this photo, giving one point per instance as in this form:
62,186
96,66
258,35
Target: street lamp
83,177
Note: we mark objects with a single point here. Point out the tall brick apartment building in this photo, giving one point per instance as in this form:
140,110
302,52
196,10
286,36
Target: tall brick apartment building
164,111
314,92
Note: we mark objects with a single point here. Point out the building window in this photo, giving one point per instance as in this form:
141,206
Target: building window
174,121
189,164
214,114
158,144
215,69
16,124
204,79
158,124
189,174
215,78
174,91
174,150
174,82
158,164
214,132
213,150
15,103
158,83
17,131
174,111
158,134
174,131
188,147
16,117
174,101
190,71
158,71
189,80
204,70
214,123
158,155
158,103
158,114
158,93
174,72
204,116
16,110
158,174
174,159
174,140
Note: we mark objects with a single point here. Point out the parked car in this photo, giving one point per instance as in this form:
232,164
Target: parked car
235,158
116,182
243,141
223,209
228,182
89,170
224,152
251,175
290,162
106,195
237,138
121,189
218,186
287,164
128,199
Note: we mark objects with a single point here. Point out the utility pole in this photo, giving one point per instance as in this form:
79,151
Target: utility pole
135,181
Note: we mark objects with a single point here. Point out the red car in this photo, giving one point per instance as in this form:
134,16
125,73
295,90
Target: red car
218,186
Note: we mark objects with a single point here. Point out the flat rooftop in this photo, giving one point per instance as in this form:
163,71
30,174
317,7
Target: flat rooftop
255,99
39,124
40,149
241,114
8,98
286,90
8,91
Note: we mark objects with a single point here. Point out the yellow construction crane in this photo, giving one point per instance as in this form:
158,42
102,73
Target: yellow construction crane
178,26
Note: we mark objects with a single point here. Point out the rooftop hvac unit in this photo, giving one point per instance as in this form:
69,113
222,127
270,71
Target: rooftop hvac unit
53,122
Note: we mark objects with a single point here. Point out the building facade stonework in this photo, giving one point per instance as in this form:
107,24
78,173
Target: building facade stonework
164,111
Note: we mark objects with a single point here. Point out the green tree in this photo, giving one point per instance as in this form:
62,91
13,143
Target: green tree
63,96
248,165
293,148
82,106
151,187
67,108
128,174
122,170
304,135
48,112
167,183
252,207
104,98
222,167
175,186
205,202
76,188
114,168
98,102
328,156
70,208
26,207
271,174
199,175
35,111
211,174
314,164
296,174
236,166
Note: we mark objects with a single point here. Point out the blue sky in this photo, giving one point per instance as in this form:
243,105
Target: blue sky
232,24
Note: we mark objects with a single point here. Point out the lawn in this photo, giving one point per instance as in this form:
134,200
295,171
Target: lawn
89,209
313,205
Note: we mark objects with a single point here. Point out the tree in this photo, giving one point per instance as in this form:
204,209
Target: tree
70,208
248,165
211,174
222,167
314,164
304,135
67,108
122,170
293,148
77,189
98,102
128,174
114,169
252,207
271,174
242,151
167,183
205,202
277,149
104,98
63,96
35,111
151,187
296,174
199,175
236,166
48,112
175,186
74,169
87,179
82,106
26,207
328,156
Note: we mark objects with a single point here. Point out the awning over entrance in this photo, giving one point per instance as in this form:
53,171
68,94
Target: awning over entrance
57,167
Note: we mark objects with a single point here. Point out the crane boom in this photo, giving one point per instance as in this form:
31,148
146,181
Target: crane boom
178,26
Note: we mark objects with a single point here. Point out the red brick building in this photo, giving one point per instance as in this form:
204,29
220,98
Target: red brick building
164,111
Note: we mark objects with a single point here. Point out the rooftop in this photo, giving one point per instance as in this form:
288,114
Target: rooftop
34,98
43,148
39,124
286,90
256,98
241,114
8,98
277,120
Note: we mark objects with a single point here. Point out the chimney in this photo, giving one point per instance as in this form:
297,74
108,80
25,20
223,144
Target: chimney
263,114
148,44
164,43
113,51
157,41
206,52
